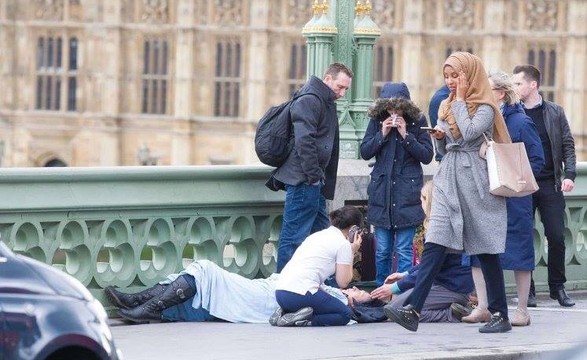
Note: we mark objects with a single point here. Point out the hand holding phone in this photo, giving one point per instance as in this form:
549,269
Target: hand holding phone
428,128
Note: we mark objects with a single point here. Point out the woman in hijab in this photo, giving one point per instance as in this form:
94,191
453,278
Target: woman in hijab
465,216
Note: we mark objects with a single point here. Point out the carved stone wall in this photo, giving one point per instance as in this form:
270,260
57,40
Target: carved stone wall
108,127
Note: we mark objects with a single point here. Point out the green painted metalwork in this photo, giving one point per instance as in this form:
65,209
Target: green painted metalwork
350,39
131,226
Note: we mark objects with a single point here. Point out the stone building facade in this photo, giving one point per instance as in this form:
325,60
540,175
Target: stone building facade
183,82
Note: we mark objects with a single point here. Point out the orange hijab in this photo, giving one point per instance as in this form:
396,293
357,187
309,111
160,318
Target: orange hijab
479,92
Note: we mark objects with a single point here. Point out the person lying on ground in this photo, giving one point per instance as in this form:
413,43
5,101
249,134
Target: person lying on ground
204,291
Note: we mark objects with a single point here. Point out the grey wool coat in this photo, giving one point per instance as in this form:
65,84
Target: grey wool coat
465,216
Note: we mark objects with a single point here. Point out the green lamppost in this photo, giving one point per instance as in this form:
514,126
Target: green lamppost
349,40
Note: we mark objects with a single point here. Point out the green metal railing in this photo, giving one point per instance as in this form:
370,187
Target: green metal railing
131,226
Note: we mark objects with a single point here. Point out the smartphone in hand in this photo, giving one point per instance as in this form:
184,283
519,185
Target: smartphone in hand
428,128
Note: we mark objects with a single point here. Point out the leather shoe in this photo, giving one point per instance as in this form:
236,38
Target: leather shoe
478,315
405,316
562,297
532,301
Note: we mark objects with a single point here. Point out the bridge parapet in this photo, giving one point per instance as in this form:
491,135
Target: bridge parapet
131,226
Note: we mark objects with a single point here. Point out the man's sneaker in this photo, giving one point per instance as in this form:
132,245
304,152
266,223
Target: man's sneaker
497,324
405,316
275,316
290,319
303,323
459,311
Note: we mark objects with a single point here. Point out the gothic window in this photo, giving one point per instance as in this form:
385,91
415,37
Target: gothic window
457,46
56,78
296,75
227,77
383,67
155,77
544,58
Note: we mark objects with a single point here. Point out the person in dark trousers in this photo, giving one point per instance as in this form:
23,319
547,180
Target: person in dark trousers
449,296
397,177
309,174
465,217
439,95
560,163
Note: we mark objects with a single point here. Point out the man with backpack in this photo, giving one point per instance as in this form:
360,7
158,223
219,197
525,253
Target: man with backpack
308,175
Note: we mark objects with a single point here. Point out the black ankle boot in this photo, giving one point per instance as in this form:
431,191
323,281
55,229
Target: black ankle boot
175,293
129,301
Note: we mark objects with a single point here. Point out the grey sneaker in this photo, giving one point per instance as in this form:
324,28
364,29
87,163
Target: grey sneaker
459,311
290,319
275,316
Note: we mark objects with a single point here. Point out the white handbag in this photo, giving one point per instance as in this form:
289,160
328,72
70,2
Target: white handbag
510,173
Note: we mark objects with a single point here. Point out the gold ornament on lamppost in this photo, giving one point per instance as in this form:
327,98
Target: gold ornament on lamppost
320,22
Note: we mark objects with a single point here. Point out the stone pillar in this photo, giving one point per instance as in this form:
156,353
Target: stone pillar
493,43
257,71
411,48
180,149
576,78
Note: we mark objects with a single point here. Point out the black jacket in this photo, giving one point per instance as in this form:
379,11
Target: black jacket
315,153
561,142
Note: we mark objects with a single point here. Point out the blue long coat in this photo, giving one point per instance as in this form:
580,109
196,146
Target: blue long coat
519,246
397,176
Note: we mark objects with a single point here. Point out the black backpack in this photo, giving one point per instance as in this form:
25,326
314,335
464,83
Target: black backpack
274,138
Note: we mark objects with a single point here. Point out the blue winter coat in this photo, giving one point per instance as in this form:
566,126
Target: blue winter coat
519,246
397,176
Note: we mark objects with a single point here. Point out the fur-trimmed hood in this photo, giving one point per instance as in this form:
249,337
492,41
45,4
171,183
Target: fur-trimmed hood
379,109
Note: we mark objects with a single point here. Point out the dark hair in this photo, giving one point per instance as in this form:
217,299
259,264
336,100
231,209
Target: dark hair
346,217
336,68
531,73
379,109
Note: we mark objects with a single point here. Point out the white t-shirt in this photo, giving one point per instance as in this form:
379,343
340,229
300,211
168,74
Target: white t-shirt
315,261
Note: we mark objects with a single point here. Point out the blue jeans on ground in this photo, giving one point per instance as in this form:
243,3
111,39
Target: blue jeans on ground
185,311
304,213
328,310
384,241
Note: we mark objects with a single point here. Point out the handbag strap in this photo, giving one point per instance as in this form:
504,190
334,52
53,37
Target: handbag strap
487,139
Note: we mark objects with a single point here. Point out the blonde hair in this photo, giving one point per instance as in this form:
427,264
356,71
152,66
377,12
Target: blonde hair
502,81
426,194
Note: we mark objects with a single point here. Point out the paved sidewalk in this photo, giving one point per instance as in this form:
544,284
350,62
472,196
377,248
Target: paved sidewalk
553,330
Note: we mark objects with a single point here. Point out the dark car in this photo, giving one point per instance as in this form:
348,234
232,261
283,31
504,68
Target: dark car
47,314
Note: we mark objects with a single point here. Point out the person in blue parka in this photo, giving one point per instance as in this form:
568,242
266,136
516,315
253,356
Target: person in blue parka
395,138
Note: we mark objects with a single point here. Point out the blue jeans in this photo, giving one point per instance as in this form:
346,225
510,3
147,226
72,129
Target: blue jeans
384,241
328,310
304,213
